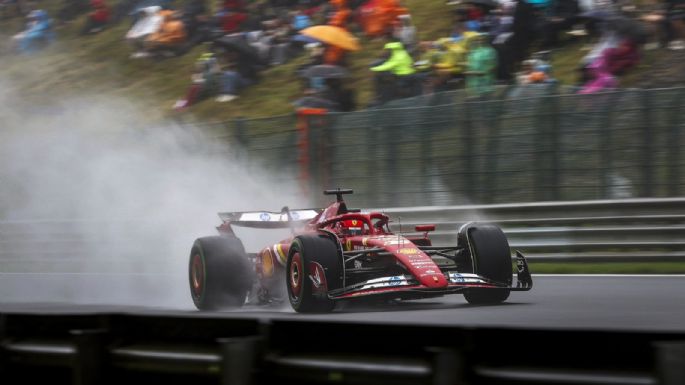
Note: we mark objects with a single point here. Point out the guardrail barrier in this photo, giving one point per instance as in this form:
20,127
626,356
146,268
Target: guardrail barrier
87,349
627,230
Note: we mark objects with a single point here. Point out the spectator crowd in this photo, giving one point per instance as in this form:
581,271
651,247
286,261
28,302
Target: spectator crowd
491,42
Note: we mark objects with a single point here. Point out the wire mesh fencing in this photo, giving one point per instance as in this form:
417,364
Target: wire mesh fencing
518,144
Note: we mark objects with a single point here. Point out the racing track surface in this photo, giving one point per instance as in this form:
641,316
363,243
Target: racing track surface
650,303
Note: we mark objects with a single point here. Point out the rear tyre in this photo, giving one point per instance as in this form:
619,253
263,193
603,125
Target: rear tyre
305,253
219,272
490,258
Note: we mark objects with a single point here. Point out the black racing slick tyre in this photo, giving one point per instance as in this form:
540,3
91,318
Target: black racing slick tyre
490,258
220,273
307,288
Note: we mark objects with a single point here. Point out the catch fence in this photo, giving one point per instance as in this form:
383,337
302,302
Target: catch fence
519,144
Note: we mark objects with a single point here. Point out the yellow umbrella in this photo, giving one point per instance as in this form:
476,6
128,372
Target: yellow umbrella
332,35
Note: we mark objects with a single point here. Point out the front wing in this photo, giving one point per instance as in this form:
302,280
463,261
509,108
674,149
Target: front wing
457,282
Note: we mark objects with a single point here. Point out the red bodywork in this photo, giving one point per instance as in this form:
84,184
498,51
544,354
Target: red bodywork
374,235
365,258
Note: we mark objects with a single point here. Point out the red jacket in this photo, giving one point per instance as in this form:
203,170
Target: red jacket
231,22
100,11
622,58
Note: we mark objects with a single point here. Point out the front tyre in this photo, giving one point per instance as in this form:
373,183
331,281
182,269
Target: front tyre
490,258
219,272
313,268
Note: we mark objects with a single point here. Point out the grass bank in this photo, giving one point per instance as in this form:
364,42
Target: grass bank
608,268
100,64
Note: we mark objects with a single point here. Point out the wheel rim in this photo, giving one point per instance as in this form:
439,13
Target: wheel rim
295,276
197,275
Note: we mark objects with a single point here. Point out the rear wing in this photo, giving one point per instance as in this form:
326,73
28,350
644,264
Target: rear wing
270,220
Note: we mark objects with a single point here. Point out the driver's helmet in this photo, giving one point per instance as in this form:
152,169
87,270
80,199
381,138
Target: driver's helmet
352,226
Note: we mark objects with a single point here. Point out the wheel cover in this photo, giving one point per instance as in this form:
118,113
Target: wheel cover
197,275
295,275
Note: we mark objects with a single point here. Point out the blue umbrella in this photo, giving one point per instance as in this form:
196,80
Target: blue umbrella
305,39
538,3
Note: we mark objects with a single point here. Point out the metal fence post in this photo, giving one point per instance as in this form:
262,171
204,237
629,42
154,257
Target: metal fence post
605,151
314,157
493,140
89,362
648,140
239,128
321,170
326,152
670,361
3,353
469,164
554,148
306,148
448,366
391,194
674,139
539,156
426,155
376,192
239,131
240,358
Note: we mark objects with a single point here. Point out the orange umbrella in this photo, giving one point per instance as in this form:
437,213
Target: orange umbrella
333,35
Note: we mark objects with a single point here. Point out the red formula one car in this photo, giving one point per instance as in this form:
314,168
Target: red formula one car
338,254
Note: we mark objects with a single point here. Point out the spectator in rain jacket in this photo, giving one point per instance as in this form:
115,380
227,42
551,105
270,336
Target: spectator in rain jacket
239,73
450,58
204,81
300,20
171,34
334,55
97,18
147,24
394,77
600,77
399,63
378,16
341,15
232,16
38,29
481,66
231,21
623,57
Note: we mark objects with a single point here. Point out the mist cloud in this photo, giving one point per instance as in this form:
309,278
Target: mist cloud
126,201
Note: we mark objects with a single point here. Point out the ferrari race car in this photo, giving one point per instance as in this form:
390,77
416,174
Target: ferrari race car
337,254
